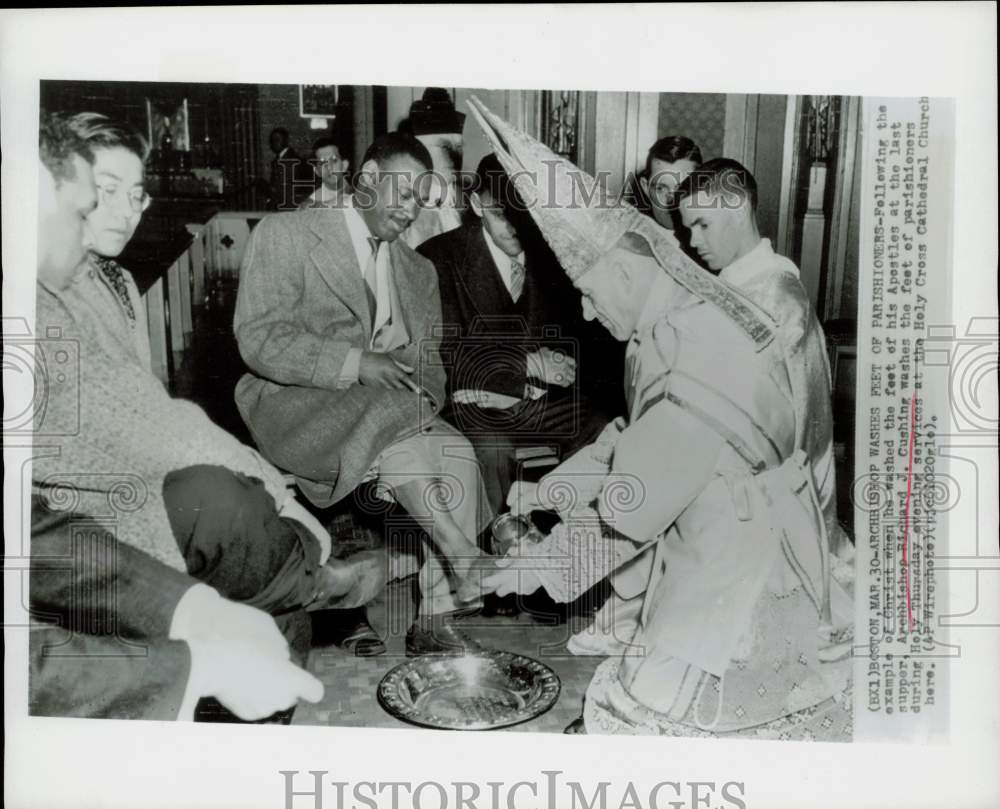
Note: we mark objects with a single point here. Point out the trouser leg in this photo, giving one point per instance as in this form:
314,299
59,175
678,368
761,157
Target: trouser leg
561,419
232,538
435,476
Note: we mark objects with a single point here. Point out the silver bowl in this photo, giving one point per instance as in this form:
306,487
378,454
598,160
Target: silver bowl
508,530
481,691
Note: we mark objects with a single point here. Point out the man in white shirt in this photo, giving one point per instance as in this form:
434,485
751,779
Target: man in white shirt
331,169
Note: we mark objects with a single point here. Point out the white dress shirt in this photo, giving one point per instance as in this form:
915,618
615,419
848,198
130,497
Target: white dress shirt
491,399
502,260
326,197
359,232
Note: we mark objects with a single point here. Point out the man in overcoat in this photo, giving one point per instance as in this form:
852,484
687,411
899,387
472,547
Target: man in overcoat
338,321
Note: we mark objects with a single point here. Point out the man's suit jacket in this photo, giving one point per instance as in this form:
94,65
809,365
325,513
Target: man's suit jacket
301,307
101,610
88,676
487,335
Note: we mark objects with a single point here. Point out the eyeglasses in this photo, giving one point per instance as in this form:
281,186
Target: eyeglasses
138,199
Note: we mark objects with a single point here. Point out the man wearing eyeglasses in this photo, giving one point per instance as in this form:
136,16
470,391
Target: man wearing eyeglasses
125,631
331,169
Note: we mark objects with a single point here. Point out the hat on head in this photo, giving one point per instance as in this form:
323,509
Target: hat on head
581,223
435,114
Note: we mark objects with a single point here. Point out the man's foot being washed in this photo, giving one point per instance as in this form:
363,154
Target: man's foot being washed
469,581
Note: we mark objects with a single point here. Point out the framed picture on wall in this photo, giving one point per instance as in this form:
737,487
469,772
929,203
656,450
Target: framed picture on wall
167,123
318,100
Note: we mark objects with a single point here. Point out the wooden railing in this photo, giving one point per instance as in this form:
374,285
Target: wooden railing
210,260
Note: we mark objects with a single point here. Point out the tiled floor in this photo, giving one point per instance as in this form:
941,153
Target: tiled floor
351,682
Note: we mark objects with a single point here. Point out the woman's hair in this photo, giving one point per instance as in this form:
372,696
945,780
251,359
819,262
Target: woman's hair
101,132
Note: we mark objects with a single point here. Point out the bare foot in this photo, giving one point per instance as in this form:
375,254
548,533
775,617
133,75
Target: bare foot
470,582
464,560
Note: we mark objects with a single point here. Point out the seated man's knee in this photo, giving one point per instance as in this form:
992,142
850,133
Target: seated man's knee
210,487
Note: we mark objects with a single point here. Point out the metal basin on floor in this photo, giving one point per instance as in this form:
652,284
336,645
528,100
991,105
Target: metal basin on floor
483,690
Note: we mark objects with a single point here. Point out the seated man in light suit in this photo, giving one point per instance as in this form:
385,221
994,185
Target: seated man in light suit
337,319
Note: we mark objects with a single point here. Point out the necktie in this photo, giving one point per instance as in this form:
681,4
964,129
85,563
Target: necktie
371,283
516,279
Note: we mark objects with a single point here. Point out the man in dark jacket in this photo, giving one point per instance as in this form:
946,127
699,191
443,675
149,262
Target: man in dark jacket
509,340
291,180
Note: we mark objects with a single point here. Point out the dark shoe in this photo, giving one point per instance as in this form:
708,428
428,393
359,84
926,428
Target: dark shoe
500,606
437,635
363,640
209,709
576,728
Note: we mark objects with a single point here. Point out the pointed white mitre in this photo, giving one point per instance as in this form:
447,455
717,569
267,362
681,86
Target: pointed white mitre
578,219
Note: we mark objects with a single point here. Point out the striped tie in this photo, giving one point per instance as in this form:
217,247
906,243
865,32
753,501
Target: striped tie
371,284
516,279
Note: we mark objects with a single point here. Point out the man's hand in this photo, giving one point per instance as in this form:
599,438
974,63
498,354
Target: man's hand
554,367
381,370
523,497
250,684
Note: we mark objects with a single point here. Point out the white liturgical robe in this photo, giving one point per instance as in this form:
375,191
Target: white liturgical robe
714,518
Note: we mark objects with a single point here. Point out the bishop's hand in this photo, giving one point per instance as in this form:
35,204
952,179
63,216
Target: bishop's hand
472,586
523,497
